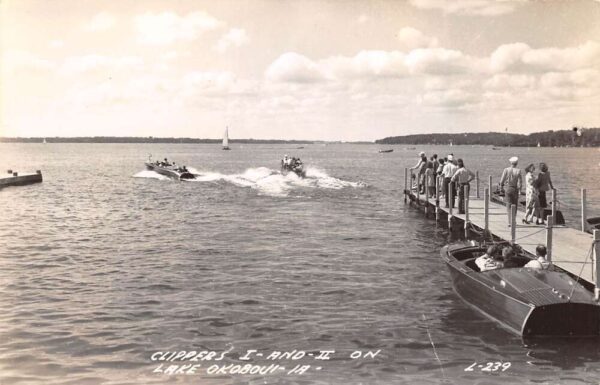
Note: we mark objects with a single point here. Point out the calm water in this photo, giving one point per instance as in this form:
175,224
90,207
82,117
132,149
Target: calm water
104,264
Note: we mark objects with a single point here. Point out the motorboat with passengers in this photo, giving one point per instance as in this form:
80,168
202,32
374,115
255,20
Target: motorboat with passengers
527,301
169,169
292,164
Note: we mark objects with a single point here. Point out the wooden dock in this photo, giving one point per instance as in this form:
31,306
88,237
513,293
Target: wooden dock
570,249
15,179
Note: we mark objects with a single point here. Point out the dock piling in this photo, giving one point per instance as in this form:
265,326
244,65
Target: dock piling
466,203
553,206
549,225
513,224
486,211
477,183
597,263
490,187
437,198
450,193
583,209
405,184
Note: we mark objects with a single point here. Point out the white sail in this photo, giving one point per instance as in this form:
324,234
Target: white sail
226,139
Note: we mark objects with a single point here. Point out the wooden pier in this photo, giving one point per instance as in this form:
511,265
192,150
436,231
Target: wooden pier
570,249
15,179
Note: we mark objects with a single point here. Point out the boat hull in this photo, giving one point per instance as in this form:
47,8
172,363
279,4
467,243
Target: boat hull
528,302
170,172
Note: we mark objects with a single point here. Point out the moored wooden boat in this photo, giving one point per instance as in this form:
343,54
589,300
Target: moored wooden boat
528,302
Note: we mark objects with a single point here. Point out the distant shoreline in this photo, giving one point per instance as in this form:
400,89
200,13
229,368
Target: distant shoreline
136,139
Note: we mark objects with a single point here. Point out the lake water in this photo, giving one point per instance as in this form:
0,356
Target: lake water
104,264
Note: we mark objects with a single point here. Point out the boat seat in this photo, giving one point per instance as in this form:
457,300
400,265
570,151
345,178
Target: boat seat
470,263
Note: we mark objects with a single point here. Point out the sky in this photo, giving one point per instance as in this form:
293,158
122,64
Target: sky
310,69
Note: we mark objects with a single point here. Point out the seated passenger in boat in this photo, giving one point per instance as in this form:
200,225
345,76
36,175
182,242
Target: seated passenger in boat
508,254
541,262
489,260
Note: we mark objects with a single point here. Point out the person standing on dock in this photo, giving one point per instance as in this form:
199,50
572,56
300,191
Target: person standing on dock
421,166
511,177
448,172
461,178
545,184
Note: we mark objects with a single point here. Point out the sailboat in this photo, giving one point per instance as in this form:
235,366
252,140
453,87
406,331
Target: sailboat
44,141
226,139
539,144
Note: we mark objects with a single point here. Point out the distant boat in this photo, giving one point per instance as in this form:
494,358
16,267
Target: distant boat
539,145
382,151
44,141
226,139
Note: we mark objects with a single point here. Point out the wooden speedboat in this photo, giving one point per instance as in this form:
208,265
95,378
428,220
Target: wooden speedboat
179,173
528,302
592,224
498,197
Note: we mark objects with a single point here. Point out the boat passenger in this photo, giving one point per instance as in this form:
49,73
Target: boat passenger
541,262
511,177
461,178
508,255
489,260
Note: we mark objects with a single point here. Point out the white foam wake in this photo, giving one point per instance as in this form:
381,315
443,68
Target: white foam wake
266,180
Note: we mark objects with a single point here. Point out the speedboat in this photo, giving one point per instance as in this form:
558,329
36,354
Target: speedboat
294,165
384,151
592,224
497,196
168,169
526,301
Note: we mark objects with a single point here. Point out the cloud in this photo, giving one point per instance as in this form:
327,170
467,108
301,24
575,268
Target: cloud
362,19
56,44
411,38
168,27
14,61
100,22
505,81
470,7
519,57
448,98
438,61
80,64
294,68
236,37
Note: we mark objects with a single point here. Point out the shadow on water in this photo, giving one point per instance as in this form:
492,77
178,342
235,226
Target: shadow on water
565,353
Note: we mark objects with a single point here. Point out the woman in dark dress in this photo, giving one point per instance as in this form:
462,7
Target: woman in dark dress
544,184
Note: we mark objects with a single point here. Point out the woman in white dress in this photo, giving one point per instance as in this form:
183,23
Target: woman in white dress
532,197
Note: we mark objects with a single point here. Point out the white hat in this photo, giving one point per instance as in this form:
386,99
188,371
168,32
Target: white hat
421,153
514,159
450,157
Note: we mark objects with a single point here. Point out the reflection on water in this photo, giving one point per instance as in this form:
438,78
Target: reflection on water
100,269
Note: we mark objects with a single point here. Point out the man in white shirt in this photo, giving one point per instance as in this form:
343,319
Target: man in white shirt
448,172
541,262
487,260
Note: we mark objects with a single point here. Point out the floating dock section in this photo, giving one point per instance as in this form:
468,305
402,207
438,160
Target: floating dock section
573,250
15,179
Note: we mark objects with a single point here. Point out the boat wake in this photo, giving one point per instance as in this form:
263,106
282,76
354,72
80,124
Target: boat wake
151,174
274,183
265,180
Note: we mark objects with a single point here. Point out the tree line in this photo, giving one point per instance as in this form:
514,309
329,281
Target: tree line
576,137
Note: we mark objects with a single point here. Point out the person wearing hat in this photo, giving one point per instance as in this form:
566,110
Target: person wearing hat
511,182
448,172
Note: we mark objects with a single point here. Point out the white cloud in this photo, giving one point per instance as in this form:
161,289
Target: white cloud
411,38
236,37
293,67
80,64
470,7
56,44
13,61
519,57
168,27
448,98
505,81
101,22
438,61
362,19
